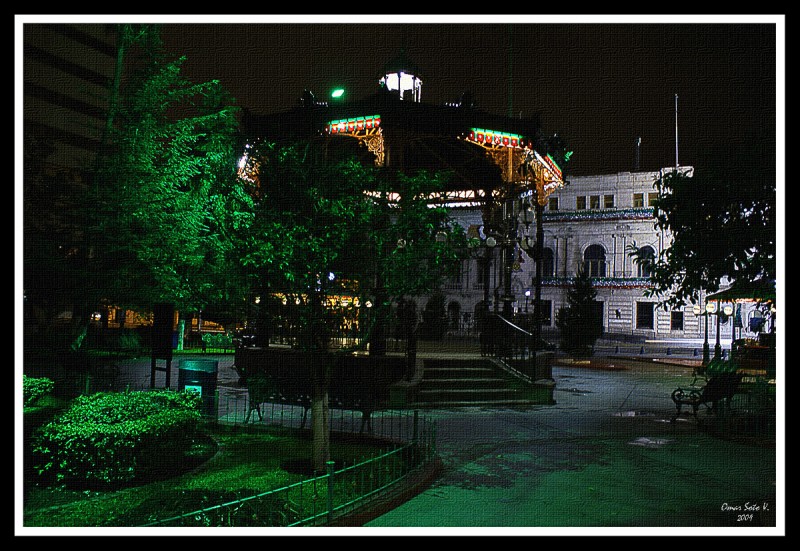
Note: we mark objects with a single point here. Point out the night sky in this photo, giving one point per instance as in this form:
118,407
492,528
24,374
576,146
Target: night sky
599,86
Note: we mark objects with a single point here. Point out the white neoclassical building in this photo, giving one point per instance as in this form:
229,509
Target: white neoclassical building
594,222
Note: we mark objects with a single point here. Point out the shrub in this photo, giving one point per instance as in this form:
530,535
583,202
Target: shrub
434,318
130,342
217,340
113,438
34,388
578,323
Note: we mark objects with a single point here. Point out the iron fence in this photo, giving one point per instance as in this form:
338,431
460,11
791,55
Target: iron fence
410,445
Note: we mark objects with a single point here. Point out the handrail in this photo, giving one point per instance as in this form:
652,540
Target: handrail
512,325
509,343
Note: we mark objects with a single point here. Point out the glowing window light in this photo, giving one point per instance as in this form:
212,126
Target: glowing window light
402,82
495,137
353,124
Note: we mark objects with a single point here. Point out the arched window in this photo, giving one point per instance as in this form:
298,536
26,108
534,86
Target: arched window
594,261
547,262
644,260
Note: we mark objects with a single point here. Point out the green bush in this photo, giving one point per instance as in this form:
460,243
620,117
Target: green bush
113,438
34,388
129,342
719,367
434,318
579,323
217,340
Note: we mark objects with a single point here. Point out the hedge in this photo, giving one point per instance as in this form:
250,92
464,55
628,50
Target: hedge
115,437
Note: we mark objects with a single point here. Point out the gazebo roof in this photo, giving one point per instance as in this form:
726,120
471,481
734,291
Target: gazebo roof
751,291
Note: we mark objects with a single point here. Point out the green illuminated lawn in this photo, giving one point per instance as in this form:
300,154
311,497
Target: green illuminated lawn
235,462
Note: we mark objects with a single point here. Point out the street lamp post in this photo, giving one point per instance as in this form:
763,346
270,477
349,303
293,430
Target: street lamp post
717,346
707,310
729,312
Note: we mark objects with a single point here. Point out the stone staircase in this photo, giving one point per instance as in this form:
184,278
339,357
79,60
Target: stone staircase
480,381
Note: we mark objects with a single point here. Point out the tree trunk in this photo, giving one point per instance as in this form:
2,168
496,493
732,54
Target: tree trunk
320,425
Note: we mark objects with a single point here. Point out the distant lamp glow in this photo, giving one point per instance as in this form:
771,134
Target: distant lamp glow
696,309
491,242
258,300
297,301
337,93
711,307
331,276
243,162
728,309
368,304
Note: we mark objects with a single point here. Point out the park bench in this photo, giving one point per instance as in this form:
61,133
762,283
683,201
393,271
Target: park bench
217,341
716,394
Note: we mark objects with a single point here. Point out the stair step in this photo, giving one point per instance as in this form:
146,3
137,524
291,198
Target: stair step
438,395
471,383
458,373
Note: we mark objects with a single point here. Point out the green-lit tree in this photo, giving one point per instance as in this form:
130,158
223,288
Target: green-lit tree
578,322
150,218
166,196
324,227
723,224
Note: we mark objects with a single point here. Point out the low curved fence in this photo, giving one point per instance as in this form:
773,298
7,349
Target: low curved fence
329,498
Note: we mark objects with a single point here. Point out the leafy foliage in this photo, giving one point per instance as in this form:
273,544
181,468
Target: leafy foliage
325,228
577,322
34,388
723,225
434,318
167,192
112,438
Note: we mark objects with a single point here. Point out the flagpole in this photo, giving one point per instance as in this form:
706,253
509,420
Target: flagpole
676,132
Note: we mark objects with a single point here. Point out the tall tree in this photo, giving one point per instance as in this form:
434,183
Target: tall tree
578,322
166,192
723,225
324,227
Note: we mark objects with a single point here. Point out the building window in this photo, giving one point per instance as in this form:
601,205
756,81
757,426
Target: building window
676,320
594,202
547,262
553,203
608,201
651,198
644,261
594,261
644,315
638,200
580,203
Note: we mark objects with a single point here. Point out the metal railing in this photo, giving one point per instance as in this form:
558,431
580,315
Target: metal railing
505,340
512,345
326,498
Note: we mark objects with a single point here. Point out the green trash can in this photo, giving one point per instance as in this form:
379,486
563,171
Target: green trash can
200,376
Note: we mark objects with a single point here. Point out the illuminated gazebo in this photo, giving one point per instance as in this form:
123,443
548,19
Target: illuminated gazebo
504,165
